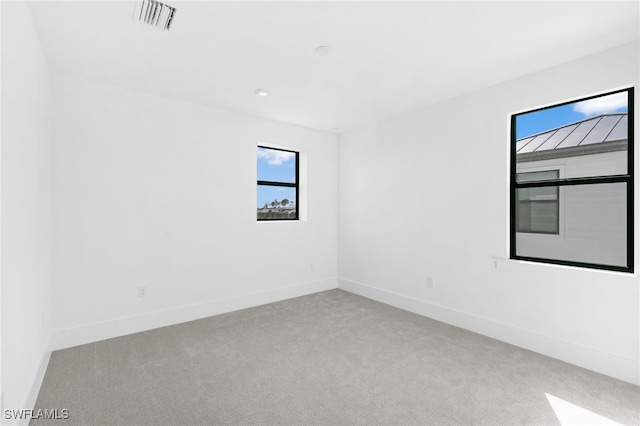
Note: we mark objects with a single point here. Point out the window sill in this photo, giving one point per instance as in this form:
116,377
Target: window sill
517,265
281,221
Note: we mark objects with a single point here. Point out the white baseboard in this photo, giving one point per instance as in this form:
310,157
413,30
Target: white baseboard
574,353
95,332
31,397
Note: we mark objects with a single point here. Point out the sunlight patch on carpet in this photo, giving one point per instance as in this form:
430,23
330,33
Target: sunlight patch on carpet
571,414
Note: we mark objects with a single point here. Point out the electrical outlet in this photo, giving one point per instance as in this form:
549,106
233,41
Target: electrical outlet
142,291
430,282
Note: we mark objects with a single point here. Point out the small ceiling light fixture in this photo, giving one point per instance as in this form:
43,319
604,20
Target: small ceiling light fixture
323,50
154,13
261,92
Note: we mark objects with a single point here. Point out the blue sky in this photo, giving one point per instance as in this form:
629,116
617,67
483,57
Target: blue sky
550,118
276,166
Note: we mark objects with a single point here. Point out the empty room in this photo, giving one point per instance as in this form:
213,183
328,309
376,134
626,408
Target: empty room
319,213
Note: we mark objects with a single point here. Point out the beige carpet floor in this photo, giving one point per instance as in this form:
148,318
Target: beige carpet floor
330,358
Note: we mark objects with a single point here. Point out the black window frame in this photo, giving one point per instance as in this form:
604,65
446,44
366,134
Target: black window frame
627,178
295,185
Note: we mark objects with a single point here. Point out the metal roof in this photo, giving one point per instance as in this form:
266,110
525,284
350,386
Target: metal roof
603,133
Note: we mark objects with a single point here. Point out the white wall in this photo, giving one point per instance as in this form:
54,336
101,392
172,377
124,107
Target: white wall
426,195
26,208
156,192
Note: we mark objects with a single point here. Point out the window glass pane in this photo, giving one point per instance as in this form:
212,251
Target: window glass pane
603,129
546,193
276,165
577,136
599,164
556,138
594,226
619,131
536,176
521,143
589,137
276,202
535,143
537,208
538,217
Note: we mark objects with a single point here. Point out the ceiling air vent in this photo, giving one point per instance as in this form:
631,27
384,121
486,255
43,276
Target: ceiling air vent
154,13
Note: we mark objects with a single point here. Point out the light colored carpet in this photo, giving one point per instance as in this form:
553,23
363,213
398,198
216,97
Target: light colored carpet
328,358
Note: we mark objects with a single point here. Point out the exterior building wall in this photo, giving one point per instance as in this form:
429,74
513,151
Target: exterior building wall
592,219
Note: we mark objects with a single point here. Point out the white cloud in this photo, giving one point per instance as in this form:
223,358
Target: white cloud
274,157
604,104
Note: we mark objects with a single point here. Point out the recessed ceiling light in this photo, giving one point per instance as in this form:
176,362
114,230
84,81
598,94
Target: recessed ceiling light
323,50
261,92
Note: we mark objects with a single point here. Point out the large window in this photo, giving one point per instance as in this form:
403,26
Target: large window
584,215
277,184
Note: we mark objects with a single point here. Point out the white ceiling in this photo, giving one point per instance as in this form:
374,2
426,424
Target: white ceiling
387,58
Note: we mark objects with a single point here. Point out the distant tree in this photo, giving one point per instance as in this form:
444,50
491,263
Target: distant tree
266,205
284,202
275,203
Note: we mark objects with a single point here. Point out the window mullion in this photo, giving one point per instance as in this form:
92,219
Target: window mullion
271,183
574,181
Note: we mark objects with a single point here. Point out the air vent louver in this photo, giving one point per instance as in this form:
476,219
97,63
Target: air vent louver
155,13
